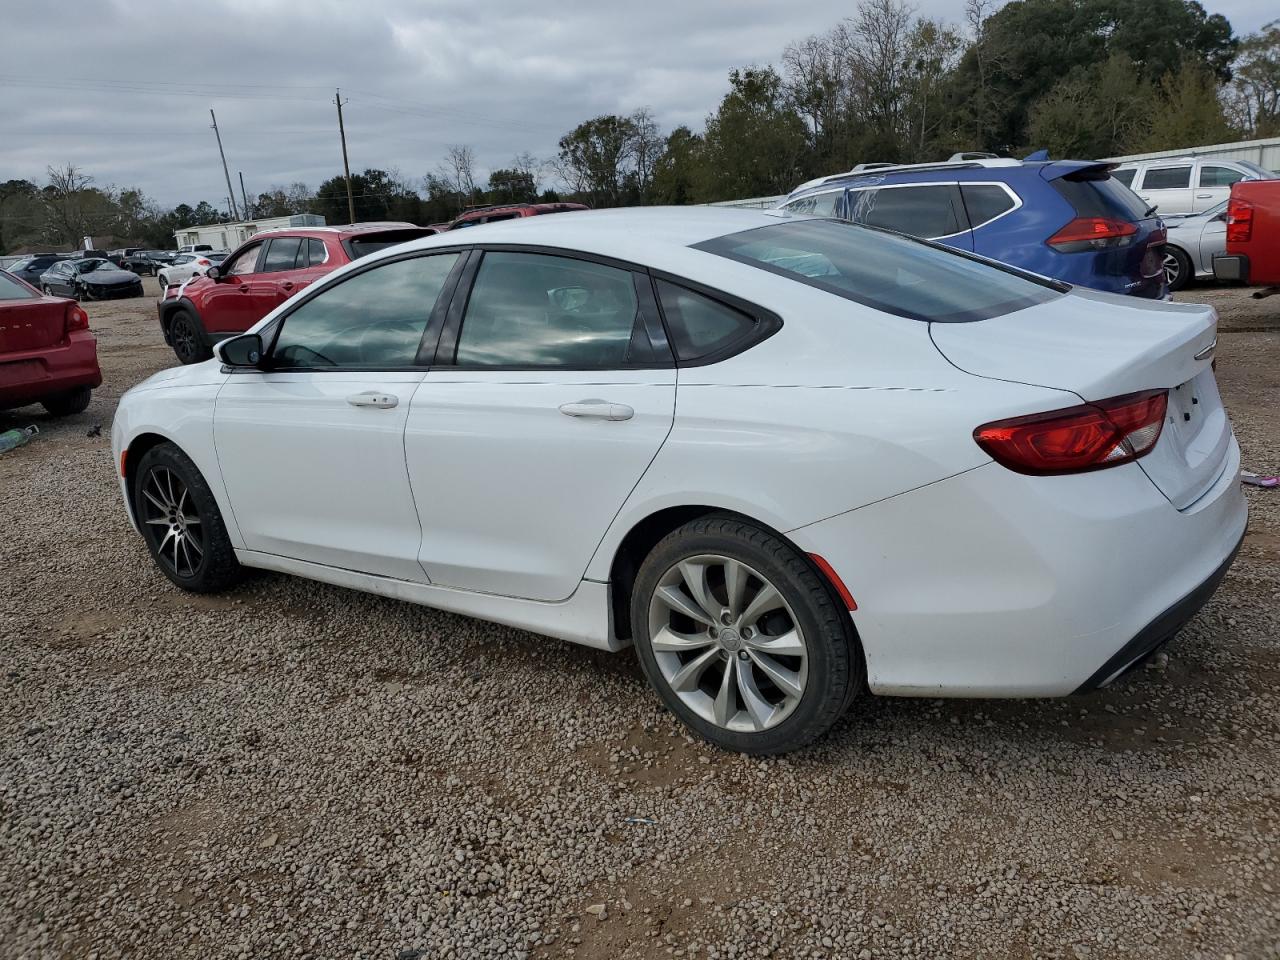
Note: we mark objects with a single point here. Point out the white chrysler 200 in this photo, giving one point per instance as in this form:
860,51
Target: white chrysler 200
789,459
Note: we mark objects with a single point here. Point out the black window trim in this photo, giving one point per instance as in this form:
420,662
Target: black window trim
659,337
425,356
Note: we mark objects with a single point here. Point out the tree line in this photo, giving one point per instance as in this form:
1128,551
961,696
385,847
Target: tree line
1080,78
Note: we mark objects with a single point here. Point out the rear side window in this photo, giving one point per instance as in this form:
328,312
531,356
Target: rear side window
1167,178
1124,176
282,254
701,326
1101,196
926,211
11,289
984,202
893,274
1213,176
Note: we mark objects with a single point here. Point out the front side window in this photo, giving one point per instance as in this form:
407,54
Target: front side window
925,211
1167,178
245,263
818,205
11,289
893,274
373,319
535,310
282,254
1219,176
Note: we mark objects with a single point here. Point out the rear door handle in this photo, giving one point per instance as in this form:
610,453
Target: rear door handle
371,398
1204,196
597,410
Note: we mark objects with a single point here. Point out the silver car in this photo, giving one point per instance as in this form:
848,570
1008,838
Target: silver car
1194,240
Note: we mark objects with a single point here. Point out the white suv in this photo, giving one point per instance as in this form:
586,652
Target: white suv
1187,184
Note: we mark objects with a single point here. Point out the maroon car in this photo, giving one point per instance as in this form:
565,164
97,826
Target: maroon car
47,354
261,274
511,211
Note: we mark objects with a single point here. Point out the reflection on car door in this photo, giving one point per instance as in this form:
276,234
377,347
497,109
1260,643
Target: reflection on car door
312,448
550,397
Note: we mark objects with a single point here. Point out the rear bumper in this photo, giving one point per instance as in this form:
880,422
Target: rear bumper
34,375
1233,267
993,584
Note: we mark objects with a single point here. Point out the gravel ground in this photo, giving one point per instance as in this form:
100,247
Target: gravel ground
296,770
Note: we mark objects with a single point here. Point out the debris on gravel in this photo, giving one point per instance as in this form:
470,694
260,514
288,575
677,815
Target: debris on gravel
291,769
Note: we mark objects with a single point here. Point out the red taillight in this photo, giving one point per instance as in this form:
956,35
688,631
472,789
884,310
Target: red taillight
1239,221
203,263
77,319
1093,233
1088,437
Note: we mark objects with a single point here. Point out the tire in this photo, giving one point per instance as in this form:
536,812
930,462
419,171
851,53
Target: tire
746,712
69,403
1177,268
186,338
176,510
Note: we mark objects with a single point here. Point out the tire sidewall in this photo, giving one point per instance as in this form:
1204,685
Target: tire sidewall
1184,269
195,355
833,661
167,456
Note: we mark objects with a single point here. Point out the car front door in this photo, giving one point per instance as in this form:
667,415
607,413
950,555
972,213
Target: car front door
1213,184
312,446
241,297
552,391
1167,187
63,277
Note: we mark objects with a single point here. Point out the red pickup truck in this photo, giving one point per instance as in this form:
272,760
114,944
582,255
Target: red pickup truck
1253,235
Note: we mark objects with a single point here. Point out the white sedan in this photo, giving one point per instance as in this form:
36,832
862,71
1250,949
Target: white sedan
788,459
187,265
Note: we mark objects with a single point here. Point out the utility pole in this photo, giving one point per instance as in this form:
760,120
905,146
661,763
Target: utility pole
225,172
244,201
346,168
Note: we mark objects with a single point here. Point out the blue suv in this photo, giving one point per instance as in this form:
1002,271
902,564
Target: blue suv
1065,219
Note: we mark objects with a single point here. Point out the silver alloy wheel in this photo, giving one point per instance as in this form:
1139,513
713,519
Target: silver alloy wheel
1172,269
727,643
167,507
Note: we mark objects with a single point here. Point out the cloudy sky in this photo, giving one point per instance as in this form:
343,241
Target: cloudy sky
123,89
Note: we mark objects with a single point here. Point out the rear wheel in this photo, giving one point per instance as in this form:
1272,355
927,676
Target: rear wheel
1177,268
181,522
186,339
69,403
742,638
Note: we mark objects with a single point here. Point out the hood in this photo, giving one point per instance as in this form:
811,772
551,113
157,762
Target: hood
210,371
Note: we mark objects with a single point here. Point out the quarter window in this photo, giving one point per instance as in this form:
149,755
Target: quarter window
925,211
534,310
313,253
1167,178
282,254
819,205
1219,176
984,202
1124,176
374,319
701,326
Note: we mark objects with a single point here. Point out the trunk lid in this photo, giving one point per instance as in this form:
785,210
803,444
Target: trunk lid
32,324
1099,346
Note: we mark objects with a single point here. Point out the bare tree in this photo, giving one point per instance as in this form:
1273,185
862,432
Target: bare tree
817,86
647,144
527,164
457,171
74,208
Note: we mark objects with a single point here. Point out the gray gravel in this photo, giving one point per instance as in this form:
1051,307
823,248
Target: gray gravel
296,770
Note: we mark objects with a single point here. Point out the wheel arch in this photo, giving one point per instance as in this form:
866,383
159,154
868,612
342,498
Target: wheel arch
167,310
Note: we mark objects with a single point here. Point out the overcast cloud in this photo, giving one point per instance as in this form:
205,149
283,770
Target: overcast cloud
123,89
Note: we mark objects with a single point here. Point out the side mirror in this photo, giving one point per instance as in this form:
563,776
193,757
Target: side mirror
242,351
214,274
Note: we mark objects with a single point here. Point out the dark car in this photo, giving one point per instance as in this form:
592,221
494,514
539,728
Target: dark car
47,354
92,278
511,211
30,268
118,257
143,262
265,271
1065,219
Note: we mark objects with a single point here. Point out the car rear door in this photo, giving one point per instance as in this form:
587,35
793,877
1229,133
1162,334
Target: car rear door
1167,186
312,446
552,392
280,277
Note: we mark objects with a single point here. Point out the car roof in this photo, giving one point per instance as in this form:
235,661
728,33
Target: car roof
339,230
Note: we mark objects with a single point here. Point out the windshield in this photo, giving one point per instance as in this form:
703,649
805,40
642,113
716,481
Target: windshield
88,266
884,270
11,289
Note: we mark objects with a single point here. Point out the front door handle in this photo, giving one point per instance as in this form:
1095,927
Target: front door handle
597,410
1204,196
371,398
286,285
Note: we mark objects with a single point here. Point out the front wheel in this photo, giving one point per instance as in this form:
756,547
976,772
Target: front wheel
742,638
184,336
1177,268
181,522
